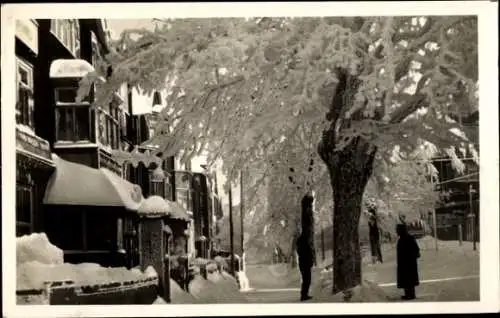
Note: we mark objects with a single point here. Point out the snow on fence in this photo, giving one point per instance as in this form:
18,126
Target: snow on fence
43,278
68,293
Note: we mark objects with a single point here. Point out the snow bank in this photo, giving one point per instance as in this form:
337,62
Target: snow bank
32,275
180,296
36,247
229,278
366,292
150,272
159,301
211,267
215,277
203,289
218,288
221,262
243,280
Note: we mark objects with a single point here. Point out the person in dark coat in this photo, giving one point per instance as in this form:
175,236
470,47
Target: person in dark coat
374,234
306,260
407,268
305,246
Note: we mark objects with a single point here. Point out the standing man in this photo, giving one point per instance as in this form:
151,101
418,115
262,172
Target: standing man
305,246
407,268
374,234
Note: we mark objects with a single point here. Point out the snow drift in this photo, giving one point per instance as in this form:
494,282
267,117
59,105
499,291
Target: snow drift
179,295
32,275
217,288
37,248
366,292
39,261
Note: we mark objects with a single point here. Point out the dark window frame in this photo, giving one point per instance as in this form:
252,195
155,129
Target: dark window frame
75,123
25,113
67,31
25,184
109,124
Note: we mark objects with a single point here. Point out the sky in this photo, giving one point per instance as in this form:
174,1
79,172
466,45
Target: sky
117,26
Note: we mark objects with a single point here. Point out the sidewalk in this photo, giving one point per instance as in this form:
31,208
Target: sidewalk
449,274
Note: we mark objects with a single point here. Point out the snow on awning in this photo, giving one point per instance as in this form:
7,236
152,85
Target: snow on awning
76,184
179,212
156,206
63,68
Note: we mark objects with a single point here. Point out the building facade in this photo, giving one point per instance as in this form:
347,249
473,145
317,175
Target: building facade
53,128
459,206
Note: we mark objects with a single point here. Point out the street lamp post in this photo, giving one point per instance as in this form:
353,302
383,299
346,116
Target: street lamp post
323,243
472,218
231,234
241,213
434,220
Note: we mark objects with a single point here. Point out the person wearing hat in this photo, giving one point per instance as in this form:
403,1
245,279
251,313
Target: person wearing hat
408,253
305,246
374,233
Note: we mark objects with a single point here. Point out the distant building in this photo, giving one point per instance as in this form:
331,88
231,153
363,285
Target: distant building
459,192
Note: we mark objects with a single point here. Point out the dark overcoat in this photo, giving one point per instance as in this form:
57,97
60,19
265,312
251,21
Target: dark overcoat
305,251
407,268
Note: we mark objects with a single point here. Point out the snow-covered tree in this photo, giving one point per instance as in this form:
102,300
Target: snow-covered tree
369,89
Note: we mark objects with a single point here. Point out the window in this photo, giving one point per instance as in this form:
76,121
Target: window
24,209
95,50
68,32
109,126
69,229
73,120
184,193
24,96
104,238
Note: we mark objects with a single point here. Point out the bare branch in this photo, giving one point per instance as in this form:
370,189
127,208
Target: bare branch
417,101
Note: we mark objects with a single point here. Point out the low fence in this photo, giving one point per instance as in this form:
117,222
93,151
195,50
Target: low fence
142,292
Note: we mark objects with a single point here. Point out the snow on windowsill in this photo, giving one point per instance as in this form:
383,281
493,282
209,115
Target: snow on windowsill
71,144
26,129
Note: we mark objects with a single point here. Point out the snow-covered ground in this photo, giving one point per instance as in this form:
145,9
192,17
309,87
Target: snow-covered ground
36,247
39,261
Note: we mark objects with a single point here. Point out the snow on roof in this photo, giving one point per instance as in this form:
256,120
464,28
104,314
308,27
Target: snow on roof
155,206
62,68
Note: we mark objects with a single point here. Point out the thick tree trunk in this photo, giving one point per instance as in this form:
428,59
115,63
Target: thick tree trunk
349,177
349,169
346,251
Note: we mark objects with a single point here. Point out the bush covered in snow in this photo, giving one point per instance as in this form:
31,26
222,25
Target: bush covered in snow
37,248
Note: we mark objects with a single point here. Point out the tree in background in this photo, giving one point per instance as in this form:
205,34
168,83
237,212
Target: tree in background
370,88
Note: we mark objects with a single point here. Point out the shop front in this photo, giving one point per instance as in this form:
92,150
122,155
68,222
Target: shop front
91,214
34,166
